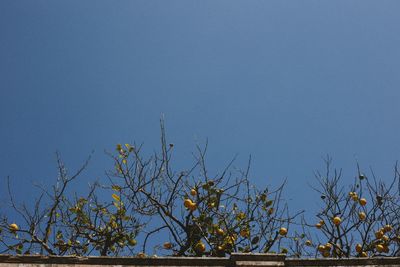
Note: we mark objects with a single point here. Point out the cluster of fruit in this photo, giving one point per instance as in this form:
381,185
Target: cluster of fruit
326,249
354,197
380,244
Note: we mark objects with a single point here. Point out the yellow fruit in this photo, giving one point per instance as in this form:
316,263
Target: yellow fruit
322,222
351,194
167,245
141,255
132,242
326,254
387,228
283,231
362,216
13,227
193,192
379,234
337,221
308,243
200,247
220,231
229,240
380,248
385,249
328,246
187,203
193,206
364,254
359,248
220,248
321,248
385,238
363,202
245,233
354,197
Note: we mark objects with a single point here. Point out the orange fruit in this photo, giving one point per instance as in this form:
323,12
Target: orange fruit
385,249
220,231
380,248
359,248
187,203
200,247
193,192
379,234
363,202
167,245
245,233
362,216
387,228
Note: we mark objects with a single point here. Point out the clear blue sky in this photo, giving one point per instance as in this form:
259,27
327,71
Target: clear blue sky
285,81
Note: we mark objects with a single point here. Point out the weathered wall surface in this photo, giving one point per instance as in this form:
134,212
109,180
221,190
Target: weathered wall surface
356,262
236,260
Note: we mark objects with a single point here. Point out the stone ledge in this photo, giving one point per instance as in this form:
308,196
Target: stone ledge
257,259
235,260
379,261
165,261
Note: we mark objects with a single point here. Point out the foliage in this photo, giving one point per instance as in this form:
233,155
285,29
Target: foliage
202,214
61,225
361,220
194,212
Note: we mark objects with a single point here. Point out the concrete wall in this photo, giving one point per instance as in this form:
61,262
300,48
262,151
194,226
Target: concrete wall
236,260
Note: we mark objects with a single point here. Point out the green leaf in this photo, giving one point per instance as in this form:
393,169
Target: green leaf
116,188
115,197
